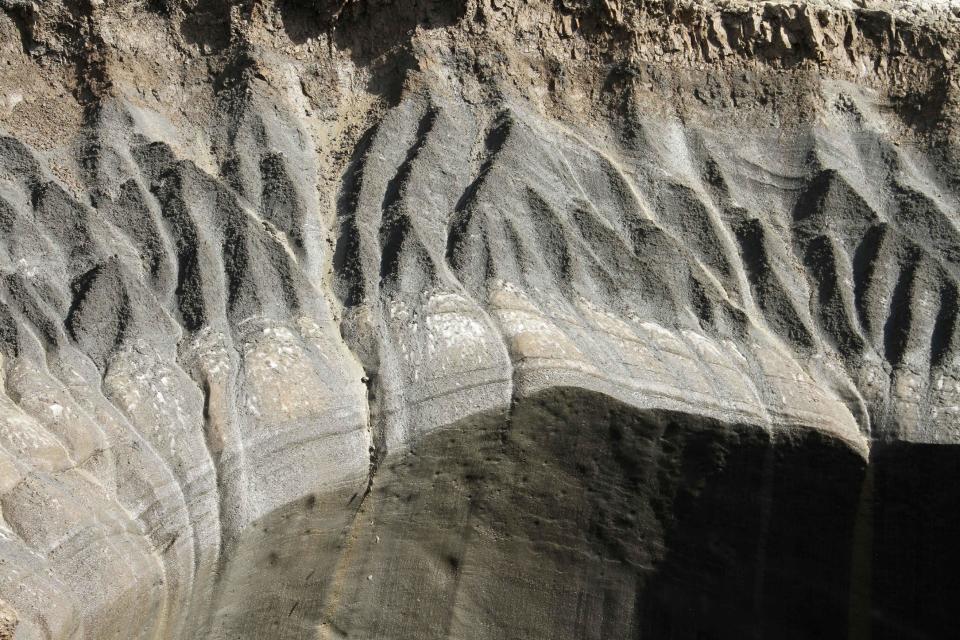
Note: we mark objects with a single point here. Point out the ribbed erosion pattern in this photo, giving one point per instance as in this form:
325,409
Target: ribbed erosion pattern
496,374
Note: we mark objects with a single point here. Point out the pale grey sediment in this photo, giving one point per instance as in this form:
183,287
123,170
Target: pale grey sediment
477,319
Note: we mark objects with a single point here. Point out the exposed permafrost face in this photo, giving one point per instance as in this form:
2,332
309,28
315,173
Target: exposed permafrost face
477,320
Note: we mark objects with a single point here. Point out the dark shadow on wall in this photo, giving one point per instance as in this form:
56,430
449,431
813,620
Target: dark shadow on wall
916,542
580,517
760,541
583,517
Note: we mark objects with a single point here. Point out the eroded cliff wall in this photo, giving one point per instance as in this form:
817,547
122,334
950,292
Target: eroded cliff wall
478,319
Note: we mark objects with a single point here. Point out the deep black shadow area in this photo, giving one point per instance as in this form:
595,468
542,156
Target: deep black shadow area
759,538
915,542
576,516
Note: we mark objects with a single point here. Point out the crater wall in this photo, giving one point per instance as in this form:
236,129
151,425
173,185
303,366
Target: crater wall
421,319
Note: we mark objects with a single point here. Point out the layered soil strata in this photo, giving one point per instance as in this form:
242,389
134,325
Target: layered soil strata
478,319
